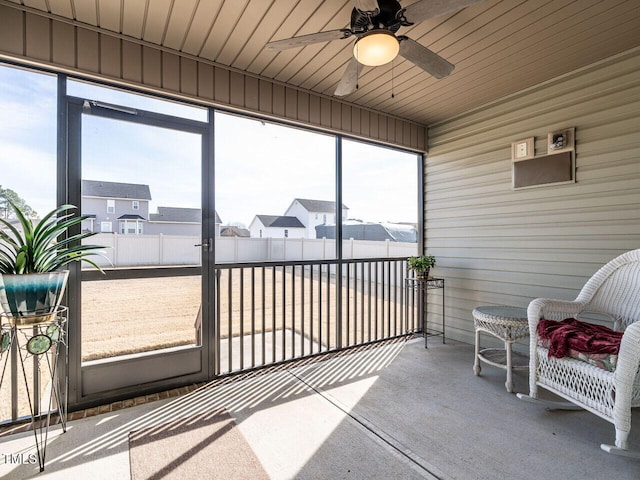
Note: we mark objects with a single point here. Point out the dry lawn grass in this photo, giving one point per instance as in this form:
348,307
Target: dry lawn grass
136,315
133,315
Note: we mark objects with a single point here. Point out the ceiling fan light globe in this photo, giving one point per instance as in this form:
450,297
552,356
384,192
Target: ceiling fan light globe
376,48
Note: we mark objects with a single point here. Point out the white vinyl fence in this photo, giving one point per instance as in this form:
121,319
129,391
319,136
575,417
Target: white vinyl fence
152,250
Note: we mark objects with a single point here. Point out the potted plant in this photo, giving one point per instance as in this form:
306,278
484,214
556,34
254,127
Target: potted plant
421,265
32,258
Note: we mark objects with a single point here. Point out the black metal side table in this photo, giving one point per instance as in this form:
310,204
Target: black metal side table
416,294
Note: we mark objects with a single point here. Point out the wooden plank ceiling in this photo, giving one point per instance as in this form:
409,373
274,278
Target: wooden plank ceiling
498,46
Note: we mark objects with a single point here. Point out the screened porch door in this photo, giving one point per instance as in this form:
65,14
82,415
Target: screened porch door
141,177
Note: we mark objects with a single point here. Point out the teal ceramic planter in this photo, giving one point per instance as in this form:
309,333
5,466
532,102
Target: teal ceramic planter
31,295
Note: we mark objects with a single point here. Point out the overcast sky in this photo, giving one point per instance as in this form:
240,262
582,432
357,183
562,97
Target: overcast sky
260,167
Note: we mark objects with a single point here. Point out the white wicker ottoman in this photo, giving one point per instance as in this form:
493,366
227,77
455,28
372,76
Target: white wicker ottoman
510,324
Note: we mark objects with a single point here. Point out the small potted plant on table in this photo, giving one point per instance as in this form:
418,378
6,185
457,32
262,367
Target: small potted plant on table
32,258
421,265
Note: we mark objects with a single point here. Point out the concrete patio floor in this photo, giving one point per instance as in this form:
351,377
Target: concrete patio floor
393,410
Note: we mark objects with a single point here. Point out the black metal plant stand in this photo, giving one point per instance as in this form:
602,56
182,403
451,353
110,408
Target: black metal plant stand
420,287
41,343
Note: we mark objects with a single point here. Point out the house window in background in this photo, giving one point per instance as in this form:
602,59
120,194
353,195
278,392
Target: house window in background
111,206
106,227
135,205
131,227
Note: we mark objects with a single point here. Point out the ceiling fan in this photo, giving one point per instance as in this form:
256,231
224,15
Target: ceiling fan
374,24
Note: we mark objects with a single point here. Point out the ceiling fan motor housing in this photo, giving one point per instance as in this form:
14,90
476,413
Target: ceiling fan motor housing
385,19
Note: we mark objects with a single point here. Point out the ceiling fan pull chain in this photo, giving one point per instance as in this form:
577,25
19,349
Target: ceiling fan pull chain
392,94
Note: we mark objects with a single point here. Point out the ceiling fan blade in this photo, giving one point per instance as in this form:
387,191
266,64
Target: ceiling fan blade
349,81
303,40
424,58
367,6
426,9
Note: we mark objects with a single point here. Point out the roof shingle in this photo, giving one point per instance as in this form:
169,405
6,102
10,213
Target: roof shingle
281,221
133,191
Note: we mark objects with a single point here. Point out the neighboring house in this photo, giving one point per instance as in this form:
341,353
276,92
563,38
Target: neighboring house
379,232
276,226
115,207
178,221
124,208
234,231
313,213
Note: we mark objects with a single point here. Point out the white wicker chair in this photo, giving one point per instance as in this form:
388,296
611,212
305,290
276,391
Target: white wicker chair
613,290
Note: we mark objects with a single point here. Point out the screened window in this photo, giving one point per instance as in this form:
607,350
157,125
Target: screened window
269,179
380,189
27,140
27,178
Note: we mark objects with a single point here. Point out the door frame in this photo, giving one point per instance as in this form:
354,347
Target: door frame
102,381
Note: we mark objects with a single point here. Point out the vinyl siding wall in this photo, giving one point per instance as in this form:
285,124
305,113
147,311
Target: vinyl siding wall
497,245
90,53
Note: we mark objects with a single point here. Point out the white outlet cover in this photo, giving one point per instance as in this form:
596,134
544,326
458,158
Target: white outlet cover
522,149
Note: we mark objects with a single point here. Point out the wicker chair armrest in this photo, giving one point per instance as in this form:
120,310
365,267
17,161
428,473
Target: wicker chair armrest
551,309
